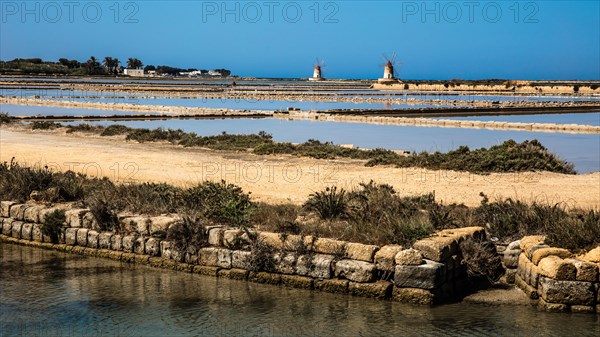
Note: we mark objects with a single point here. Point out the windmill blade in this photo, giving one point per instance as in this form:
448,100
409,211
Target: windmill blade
393,58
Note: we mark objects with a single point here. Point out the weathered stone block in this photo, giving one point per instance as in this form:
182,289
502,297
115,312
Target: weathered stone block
215,235
74,216
16,229
427,276
379,289
104,240
168,251
385,258
330,246
215,257
139,245
152,247
285,263
437,248
128,242
136,224
71,236
413,295
160,224
588,309
360,252
541,253
93,239
332,286
318,266
17,211
567,292
206,270
551,307
357,271
511,258
273,240
263,277
7,226
32,214
235,239
295,281
586,271
591,256
89,221
234,274
515,245
409,257
240,259
527,242
27,231
36,233
116,242
5,208
557,268
295,243
82,234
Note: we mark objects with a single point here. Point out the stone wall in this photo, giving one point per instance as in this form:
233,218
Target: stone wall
558,279
430,272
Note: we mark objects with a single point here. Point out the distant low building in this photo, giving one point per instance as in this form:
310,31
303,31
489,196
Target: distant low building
134,72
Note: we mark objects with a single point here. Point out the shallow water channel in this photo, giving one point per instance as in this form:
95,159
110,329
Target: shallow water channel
46,293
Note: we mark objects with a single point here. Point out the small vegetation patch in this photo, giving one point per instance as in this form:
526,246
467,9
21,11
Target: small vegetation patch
53,223
84,128
45,125
5,118
189,235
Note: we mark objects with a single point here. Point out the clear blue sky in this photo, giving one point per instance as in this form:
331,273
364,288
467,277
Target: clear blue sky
433,39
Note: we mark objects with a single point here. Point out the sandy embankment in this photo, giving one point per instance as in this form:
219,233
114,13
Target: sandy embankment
279,179
158,111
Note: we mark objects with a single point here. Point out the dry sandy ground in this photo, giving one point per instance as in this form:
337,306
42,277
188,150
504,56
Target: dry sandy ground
279,179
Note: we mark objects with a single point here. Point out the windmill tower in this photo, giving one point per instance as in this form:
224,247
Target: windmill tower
317,71
389,70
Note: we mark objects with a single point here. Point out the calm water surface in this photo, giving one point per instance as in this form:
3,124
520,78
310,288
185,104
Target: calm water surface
45,293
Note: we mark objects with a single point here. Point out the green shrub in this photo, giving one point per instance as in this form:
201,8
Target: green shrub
17,182
53,223
578,232
5,118
189,235
510,156
84,128
115,129
44,125
261,256
219,202
104,206
328,204
276,218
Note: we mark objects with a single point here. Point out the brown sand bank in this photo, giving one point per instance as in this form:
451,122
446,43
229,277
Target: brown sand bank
279,179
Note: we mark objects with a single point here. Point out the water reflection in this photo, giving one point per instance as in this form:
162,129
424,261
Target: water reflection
130,300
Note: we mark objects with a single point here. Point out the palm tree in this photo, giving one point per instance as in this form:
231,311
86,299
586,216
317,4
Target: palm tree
92,66
108,64
133,63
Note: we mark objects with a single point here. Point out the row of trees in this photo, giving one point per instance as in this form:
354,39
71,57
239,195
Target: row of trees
109,65
93,66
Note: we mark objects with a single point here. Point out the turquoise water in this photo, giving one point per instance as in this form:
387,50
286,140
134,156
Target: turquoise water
46,293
